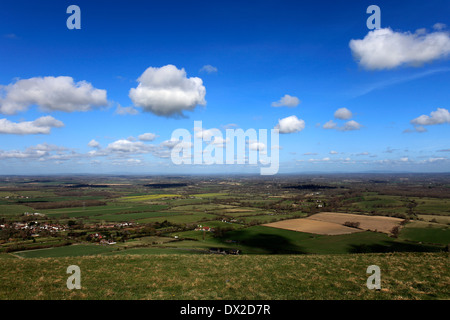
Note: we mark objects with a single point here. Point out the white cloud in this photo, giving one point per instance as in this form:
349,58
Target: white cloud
257,146
166,91
343,114
286,101
348,126
208,69
351,125
290,125
129,147
220,142
333,152
330,125
50,94
126,110
206,134
440,116
439,26
94,144
147,136
41,152
387,49
42,125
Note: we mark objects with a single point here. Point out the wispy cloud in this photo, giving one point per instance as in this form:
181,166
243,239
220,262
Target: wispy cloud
394,81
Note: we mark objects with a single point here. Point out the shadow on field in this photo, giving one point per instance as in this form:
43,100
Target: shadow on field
392,246
273,244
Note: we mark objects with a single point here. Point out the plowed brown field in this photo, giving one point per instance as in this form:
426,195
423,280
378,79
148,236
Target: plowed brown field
332,223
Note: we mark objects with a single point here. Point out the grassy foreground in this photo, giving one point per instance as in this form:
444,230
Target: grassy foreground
190,277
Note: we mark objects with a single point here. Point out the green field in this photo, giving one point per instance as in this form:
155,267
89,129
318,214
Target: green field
196,277
423,232
134,216
66,251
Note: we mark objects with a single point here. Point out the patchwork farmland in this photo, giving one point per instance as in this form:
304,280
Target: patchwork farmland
99,217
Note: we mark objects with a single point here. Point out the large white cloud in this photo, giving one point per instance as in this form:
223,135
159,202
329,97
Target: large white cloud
42,125
387,49
439,116
167,91
50,94
290,125
286,101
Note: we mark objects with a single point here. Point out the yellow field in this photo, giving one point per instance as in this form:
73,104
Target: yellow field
332,223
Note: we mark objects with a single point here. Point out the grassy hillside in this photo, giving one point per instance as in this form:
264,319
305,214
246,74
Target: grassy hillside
184,276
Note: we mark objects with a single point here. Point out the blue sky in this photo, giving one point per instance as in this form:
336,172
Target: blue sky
66,104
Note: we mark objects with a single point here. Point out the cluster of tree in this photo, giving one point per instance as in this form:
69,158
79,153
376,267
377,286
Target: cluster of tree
165,185
21,247
84,193
66,204
352,224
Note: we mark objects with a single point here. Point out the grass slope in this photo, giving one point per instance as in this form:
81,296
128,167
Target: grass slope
188,277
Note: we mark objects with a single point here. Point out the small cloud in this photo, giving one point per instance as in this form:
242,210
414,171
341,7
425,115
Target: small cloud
258,146
419,129
389,150
125,110
330,125
147,136
290,125
348,126
230,126
439,26
351,125
286,101
94,144
343,114
10,36
208,69
333,152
